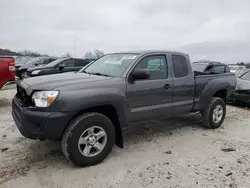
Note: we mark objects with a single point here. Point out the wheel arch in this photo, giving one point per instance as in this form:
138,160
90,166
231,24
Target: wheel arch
109,111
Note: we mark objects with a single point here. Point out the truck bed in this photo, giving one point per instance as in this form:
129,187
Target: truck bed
206,83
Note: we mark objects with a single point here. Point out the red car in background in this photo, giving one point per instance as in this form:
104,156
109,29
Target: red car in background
7,72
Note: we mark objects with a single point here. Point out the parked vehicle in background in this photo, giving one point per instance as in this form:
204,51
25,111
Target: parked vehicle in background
236,68
21,71
7,72
89,110
22,60
210,67
242,90
58,66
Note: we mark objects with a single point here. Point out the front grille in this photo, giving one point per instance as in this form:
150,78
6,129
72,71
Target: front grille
22,97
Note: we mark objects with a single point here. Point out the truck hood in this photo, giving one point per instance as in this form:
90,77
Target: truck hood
59,81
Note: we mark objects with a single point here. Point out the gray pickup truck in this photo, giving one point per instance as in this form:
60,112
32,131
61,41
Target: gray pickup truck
90,109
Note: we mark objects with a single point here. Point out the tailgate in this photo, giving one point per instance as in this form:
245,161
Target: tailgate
7,70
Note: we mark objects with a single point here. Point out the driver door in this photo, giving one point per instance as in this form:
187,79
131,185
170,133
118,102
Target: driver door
151,98
68,65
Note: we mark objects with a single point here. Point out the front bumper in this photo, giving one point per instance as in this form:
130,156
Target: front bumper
38,124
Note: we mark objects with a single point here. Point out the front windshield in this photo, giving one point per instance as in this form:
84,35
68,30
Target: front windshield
246,76
240,73
34,61
111,64
22,60
53,63
199,67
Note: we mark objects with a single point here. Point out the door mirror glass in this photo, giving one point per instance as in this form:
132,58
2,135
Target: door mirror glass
140,74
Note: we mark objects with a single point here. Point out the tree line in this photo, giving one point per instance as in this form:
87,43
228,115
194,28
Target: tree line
95,54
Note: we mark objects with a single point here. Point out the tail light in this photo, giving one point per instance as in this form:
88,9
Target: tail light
12,66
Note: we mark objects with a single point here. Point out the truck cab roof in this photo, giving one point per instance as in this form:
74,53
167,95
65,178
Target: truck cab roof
145,52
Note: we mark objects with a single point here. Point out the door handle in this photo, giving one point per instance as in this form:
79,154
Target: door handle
167,86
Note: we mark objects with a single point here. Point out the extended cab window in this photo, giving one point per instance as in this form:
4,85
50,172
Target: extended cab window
68,63
180,66
156,66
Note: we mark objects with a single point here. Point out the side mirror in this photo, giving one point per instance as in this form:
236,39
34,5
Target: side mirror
61,67
139,74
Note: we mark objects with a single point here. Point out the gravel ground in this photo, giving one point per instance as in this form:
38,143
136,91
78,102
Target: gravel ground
176,152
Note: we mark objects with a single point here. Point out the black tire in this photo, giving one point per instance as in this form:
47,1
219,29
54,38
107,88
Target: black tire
22,74
208,113
75,129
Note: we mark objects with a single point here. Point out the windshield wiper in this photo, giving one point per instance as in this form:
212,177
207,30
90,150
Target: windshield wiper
99,74
96,73
85,72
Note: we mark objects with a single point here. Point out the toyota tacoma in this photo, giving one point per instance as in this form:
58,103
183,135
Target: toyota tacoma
89,110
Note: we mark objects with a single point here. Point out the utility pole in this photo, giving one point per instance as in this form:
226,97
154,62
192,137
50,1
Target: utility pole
74,45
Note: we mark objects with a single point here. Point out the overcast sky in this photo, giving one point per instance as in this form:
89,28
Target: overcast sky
206,29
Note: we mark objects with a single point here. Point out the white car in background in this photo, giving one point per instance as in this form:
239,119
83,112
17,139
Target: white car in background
236,68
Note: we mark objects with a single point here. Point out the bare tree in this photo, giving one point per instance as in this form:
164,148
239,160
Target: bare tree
30,53
98,53
89,55
93,54
67,55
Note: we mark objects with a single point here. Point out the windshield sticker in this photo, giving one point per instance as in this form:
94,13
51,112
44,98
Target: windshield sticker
113,62
129,57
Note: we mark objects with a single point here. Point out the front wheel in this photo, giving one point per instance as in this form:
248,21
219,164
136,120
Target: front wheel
88,139
23,74
214,114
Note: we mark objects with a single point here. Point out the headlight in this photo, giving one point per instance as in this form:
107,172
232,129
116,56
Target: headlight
36,72
44,98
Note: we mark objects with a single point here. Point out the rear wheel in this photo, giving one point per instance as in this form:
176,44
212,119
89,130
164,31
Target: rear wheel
88,139
214,115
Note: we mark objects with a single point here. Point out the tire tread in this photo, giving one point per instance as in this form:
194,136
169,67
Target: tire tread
71,126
